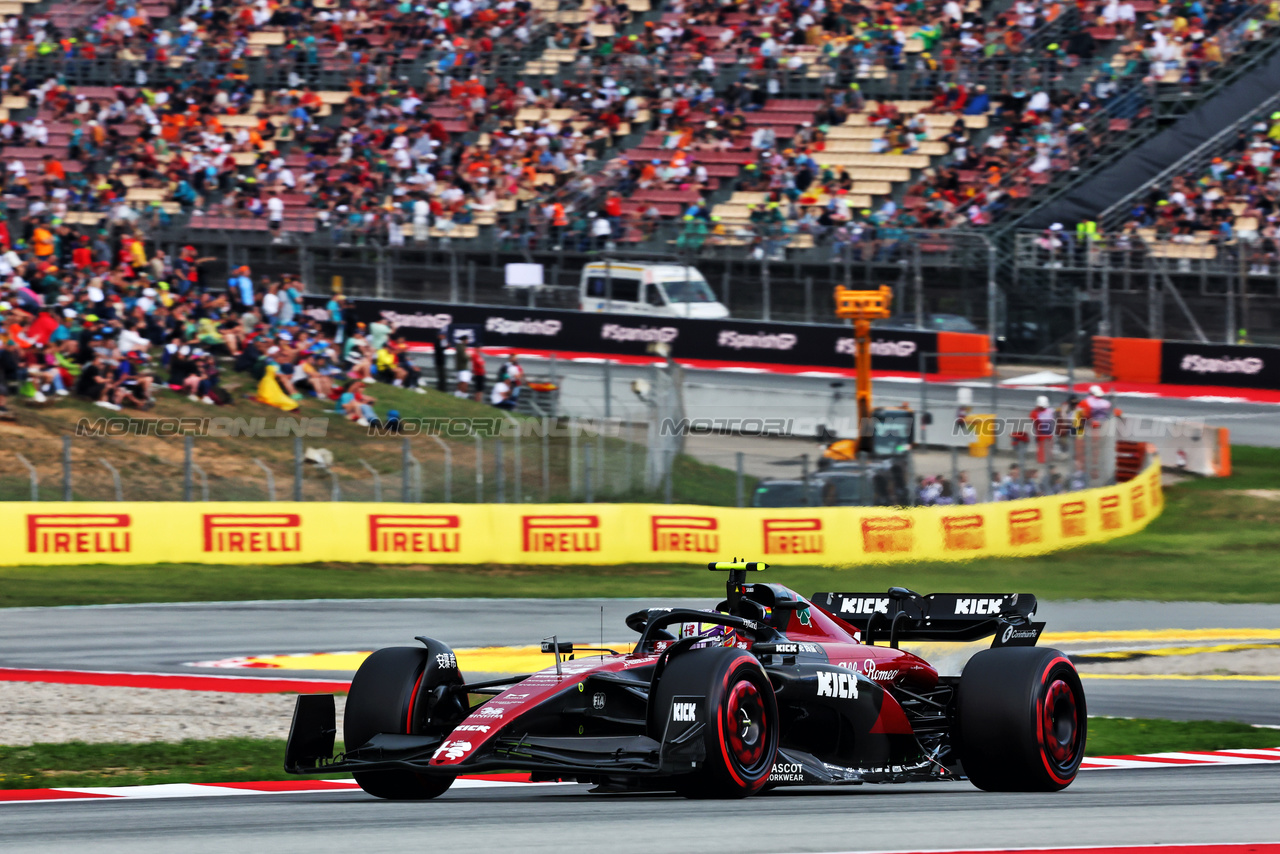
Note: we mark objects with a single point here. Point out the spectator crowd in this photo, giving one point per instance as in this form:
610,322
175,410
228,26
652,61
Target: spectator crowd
427,140
106,320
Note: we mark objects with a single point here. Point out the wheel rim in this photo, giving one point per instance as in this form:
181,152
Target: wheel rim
1060,724
748,727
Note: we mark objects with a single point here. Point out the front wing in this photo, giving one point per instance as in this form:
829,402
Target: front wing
311,742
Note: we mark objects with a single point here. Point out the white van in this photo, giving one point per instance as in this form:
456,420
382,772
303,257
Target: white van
666,290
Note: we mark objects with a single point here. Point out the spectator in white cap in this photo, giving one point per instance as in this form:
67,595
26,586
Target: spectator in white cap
1044,421
1095,405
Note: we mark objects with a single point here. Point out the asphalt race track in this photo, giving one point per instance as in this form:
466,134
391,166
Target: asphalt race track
162,638
1103,808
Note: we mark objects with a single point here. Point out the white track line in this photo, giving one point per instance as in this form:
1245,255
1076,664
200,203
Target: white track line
1243,756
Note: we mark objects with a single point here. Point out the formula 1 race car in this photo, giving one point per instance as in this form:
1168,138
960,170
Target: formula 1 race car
769,689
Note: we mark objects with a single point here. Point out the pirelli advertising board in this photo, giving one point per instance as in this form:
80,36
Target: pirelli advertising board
280,533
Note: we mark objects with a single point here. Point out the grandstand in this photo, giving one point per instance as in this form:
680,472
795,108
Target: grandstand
766,140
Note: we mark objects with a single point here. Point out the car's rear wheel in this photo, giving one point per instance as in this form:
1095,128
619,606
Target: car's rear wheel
740,716
1022,720
392,692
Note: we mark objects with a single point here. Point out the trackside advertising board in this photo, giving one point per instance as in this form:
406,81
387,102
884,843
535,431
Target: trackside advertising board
49,533
1237,366
1188,363
628,334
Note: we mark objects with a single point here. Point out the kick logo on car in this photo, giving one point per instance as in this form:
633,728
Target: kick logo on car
684,712
978,606
864,606
842,685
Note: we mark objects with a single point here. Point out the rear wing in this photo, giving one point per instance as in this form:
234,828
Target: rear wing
903,615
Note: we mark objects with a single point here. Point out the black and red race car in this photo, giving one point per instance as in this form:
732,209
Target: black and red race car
769,689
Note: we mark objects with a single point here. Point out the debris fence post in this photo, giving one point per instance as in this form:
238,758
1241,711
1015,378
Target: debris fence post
204,483
35,477
405,482
669,491
804,478
500,473
448,469
271,479
738,483
546,459
66,468
115,478
297,468
377,480
188,442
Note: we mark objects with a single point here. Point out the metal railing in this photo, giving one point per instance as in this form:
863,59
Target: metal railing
1139,283
1114,217
525,461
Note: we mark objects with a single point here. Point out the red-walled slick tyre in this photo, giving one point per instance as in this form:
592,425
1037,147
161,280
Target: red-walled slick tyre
1022,720
740,715
392,693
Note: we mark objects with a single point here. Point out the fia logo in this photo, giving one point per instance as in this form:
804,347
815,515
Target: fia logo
684,712
597,701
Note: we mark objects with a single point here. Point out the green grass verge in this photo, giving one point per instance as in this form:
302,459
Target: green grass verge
76,764
1214,541
1120,737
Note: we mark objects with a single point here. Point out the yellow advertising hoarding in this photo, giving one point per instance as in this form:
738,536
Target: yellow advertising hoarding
257,533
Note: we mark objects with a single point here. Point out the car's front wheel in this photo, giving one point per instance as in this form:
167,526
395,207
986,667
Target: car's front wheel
1021,720
740,715
392,692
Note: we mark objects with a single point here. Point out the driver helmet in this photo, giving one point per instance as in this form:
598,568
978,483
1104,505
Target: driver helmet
710,634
